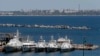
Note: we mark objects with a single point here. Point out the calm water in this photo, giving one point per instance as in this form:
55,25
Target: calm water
91,36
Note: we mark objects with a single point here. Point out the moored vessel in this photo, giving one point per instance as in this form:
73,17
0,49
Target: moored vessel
52,45
41,45
14,44
66,46
28,45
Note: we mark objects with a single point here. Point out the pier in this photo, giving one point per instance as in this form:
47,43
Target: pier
85,47
1,48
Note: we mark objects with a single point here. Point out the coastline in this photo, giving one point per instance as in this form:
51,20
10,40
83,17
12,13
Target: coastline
49,15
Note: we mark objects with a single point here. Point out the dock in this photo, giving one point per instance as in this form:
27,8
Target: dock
1,48
85,47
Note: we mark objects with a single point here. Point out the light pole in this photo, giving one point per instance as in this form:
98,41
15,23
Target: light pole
84,41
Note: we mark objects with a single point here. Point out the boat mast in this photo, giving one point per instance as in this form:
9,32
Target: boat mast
27,38
66,37
17,33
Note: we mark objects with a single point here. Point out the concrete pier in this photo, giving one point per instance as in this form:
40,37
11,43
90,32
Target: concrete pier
1,48
85,47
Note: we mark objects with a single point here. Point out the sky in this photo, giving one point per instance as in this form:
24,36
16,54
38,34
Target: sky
9,5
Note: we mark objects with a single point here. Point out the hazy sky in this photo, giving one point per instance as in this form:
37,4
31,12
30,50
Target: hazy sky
48,4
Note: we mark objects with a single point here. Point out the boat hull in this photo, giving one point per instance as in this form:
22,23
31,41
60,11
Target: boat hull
40,49
67,50
11,49
27,49
51,49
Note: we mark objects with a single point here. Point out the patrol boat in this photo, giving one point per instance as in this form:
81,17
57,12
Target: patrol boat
52,45
28,45
14,44
41,45
66,46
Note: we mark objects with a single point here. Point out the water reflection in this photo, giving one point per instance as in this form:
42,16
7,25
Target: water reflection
13,54
27,54
53,54
65,54
75,53
40,54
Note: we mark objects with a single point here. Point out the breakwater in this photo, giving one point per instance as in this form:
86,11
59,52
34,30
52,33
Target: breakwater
46,26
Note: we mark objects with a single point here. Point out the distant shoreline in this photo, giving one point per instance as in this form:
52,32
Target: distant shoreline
49,15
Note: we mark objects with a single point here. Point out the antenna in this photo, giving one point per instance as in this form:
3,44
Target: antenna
66,37
52,37
79,7
41,37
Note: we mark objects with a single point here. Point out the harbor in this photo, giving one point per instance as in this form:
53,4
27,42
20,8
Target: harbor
62,44
49,28
32,35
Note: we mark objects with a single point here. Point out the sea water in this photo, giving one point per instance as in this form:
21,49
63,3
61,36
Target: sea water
91,36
